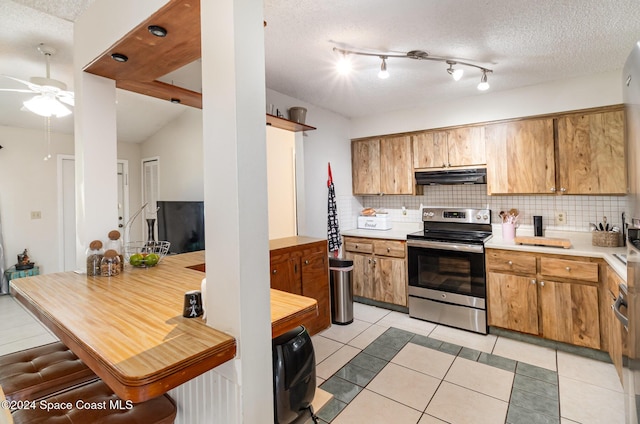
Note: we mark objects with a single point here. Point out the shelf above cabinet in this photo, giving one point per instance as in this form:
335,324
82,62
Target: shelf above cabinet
286,124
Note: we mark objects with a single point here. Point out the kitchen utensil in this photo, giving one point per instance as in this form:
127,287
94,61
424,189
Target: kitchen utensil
604,222
592,227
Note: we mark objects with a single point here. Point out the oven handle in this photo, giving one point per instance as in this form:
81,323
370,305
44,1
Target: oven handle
446,246
620,301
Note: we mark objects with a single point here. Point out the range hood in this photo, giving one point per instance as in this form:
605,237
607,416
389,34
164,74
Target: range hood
452,176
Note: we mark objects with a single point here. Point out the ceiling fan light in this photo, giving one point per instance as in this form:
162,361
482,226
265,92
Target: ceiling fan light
46,106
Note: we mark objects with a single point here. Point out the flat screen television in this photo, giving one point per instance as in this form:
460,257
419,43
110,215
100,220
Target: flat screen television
182,224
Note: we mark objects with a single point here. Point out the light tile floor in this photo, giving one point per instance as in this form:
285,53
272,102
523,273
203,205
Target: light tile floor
389,368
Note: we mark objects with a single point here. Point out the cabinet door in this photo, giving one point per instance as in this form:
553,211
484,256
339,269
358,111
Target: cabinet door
284,275
466,146
362,278
591,157
390,280
315,284
396,173
522,157
430,149
365,166
569,313
512,302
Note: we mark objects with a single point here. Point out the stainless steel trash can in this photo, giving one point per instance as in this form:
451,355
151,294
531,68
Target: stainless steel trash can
341,291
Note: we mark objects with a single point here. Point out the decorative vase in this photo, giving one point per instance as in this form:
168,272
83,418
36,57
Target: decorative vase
151,223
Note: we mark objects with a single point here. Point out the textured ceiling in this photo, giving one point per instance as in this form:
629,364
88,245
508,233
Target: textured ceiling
524,42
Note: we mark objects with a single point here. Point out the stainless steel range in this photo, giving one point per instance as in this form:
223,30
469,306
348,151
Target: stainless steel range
446,268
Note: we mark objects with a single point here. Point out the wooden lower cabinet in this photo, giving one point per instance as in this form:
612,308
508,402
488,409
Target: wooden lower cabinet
379,269
301,267
513,302
569,313
522,297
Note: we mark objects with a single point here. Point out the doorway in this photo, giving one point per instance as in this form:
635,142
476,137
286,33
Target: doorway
67,207
281,183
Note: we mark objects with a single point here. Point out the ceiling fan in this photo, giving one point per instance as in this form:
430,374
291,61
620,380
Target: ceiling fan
51,93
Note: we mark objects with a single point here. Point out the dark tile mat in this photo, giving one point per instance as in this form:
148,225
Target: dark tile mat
330,410
356,374
426,341
518,415
341,389
381,350
498,361
470,354
368,362
536,387
539,404
537,372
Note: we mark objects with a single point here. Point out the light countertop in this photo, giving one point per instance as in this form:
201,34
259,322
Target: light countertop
580,242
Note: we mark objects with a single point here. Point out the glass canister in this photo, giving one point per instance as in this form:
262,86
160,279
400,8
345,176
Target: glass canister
95,254
115,243
110,264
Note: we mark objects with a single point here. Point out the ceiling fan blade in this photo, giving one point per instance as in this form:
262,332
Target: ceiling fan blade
67,99
17,90
33,87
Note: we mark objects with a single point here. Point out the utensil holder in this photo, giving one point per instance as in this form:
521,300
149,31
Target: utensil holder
508,231
606,239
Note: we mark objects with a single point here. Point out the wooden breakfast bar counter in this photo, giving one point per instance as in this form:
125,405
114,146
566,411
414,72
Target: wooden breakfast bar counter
129,328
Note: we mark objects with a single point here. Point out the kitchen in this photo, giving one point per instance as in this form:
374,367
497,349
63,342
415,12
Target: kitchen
328,143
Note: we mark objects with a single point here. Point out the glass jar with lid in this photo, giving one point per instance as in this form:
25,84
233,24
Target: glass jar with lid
115,243
95,254
110,264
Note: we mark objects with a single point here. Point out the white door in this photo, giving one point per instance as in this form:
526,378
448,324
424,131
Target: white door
281,178
67,209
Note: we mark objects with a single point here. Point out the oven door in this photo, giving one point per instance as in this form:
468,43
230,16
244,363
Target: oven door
454,269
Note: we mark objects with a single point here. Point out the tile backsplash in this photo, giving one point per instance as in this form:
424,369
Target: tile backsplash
580,210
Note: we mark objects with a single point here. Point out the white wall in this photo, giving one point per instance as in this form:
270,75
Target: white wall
557,96
330,142
179,146
28,183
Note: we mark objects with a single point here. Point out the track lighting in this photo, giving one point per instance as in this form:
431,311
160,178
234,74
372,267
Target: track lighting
484,85
156,30
383,74
119,57
456,73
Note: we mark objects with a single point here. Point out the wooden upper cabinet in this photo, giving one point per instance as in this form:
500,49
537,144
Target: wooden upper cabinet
591,156
456,147
365,165
521,156
430,149
466,146
382,166
396,173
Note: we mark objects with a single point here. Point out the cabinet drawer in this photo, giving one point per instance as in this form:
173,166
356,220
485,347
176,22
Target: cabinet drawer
511,262
563,268
389,248
358,246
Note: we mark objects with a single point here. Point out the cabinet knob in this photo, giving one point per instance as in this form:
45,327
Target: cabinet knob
552,189
448,165
541,283
444,165
375,261
562,189
533,281
306,262
356,246
388,249
369,260
275,271
568,268
510,263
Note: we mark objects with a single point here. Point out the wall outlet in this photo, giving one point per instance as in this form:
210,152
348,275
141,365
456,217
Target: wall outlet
36,215
561,218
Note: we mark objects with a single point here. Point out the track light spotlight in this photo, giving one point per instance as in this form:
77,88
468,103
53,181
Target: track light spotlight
383,74
484,85
455,73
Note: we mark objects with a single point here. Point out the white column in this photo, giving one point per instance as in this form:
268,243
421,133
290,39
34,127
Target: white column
95,161
235,194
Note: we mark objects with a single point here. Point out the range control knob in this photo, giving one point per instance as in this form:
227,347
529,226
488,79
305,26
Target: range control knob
485,217
478,217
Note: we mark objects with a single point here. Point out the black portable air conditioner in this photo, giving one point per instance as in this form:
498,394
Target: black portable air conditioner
294,376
